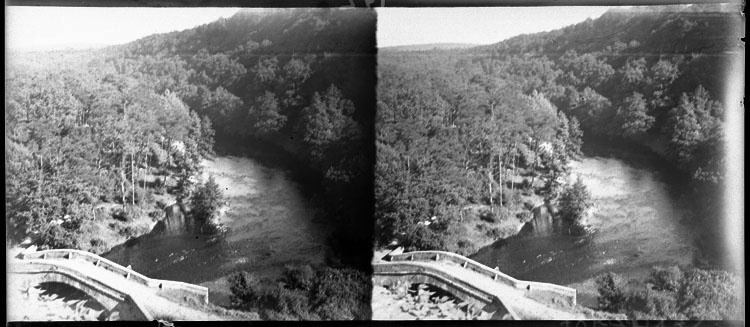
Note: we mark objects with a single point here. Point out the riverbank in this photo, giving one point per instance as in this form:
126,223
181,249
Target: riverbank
270,221
639,220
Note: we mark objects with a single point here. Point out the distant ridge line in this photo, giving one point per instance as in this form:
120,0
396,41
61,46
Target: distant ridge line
428,46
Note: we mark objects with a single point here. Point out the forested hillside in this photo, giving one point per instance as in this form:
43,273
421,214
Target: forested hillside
300,79
90,129
496,125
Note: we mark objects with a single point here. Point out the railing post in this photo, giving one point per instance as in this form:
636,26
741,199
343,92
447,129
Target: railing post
70,255
437,257
44,256
97,262
464,264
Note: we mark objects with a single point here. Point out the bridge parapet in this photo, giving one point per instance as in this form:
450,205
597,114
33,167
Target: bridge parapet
537,289
170,289
110,297
411,272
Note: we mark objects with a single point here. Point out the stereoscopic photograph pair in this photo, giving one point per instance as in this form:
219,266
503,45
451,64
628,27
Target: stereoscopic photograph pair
445,163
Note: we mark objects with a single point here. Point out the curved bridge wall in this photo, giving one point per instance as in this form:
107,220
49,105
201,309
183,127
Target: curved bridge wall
173,290
109,297
389,273
545,290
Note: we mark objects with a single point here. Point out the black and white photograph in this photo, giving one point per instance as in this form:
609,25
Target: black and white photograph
559,163
189,163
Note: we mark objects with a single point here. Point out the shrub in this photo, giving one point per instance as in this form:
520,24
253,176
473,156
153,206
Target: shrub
286,304
672,294
666,279
126,214
342,294
488,216
159,186
58,237
98,245
299,277
524,216
245,288
653,304
421,237
493,232
160,204
464,247
709,295
155,214
306,294
611,292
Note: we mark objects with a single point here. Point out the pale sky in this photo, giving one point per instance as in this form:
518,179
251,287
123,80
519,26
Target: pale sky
404,26
50,28
47,28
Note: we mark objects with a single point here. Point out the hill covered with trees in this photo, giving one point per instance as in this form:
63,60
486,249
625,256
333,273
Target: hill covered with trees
126,126
495,125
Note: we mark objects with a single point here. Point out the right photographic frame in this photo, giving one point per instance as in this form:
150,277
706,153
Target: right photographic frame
560,163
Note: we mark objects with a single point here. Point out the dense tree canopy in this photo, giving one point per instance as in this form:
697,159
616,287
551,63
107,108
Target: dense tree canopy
94,128
479,125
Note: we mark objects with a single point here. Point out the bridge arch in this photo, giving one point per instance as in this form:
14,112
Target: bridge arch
476,283
119,289
108,297
392,275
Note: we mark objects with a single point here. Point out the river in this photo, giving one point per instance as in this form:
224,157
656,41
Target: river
637,223
271,224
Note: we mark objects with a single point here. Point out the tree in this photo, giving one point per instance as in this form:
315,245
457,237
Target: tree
206,142
266,70
327,121
590,109
695,123
205,204
573,203
575,138
265,115
632,115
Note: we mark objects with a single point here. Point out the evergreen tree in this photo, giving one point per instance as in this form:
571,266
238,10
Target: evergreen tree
573,203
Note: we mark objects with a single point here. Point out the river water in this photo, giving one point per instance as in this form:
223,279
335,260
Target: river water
637,223
271,224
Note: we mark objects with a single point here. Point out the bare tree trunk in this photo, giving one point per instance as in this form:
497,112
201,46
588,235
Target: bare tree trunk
489,182
123,178
145,173
122,189
408,174
132,178
41,173
500,175
533,168
513,180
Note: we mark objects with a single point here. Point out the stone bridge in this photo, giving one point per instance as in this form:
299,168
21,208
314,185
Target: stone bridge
495,292
119,289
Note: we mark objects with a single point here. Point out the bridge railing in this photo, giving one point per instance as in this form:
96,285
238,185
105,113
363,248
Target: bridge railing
51,272
396,268
567,293
184,291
